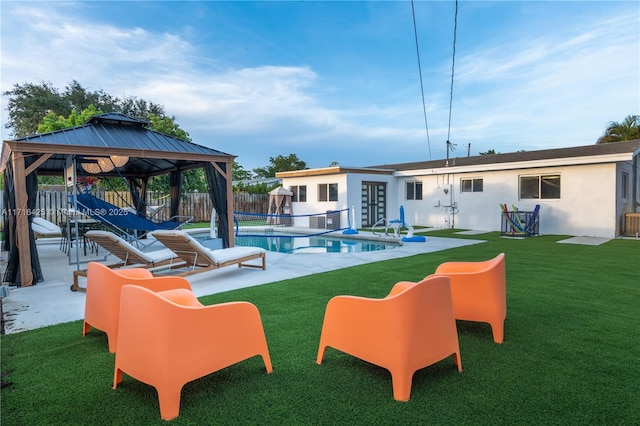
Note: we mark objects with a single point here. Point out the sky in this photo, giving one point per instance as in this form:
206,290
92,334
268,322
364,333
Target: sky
340,81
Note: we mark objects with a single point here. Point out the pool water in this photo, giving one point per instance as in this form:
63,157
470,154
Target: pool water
315,244
289,244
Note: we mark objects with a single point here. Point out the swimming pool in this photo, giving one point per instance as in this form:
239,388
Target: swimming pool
306,244
316,244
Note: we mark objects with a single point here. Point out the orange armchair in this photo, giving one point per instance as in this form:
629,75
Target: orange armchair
102,302
168,339
479,292
412,328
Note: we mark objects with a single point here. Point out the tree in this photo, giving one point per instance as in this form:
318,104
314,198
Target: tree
29,103
256,188
280,164
168,126
489,152
239,173
51,122
627,130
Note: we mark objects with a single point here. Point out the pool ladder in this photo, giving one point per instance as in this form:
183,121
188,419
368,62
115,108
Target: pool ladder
387,226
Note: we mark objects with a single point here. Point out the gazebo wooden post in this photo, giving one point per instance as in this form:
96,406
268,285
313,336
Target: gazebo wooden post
230,206
22,219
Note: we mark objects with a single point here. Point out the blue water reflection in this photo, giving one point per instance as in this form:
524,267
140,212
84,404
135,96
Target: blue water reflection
316,244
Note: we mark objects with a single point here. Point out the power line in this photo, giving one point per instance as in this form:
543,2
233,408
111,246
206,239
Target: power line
424,108
453,63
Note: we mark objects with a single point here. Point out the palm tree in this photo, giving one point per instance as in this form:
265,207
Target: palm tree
628,130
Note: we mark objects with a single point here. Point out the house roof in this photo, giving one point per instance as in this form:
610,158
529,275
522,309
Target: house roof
149,152
334,170
599,153
628,147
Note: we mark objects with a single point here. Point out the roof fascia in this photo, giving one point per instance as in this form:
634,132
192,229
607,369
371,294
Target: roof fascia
533,164
44,148
332,171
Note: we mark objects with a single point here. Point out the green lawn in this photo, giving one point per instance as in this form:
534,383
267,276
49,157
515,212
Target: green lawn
572,343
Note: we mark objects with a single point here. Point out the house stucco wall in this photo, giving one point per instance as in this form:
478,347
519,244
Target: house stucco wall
590,204
587,204
349,195
312,205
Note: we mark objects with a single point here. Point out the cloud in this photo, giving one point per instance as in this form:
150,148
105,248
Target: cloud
556,86
565,81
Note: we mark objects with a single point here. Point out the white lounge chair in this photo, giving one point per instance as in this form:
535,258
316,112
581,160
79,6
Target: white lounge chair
43,228
200,259
129,255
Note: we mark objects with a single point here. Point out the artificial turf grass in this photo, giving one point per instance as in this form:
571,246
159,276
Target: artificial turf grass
571,341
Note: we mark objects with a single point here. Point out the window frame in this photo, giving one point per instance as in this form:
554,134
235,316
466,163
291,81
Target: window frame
624,186
299,193
543,189
473,185
327,192
415,194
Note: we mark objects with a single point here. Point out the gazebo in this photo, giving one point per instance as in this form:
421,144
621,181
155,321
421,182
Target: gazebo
113,145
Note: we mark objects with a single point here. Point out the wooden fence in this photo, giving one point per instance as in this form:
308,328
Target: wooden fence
51,204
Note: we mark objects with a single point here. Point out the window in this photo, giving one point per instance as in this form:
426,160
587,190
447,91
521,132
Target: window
625,185
299,193
542,187
471,185
328,192
414,190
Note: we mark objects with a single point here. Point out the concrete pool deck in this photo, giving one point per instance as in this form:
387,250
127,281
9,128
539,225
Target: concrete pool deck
52,302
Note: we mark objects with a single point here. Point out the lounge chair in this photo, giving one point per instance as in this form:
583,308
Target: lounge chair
200,259
43,228
412,328
128,254
169,338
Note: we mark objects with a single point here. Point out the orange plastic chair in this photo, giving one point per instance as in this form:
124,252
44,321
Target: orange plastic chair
102,302
412,328
168,339
479,292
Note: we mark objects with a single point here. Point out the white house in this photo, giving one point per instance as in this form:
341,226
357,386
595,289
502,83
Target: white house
588,190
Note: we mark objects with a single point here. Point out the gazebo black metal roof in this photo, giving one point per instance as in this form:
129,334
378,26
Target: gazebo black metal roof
150,153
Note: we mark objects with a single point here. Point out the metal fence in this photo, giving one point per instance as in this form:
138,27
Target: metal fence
50,204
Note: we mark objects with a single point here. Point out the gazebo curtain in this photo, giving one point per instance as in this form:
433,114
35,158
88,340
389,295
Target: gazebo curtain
218,192
138,191
15,213
175,186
